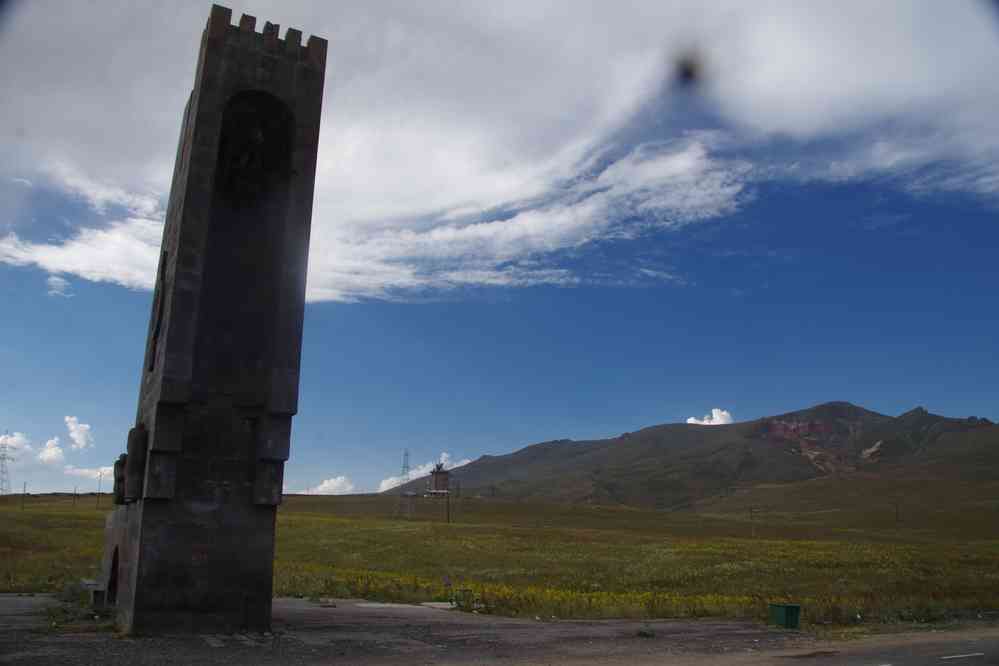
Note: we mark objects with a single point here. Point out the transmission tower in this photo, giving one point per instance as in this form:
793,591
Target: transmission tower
4,474
406,500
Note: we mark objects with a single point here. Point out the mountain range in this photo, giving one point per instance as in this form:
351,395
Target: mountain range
674,465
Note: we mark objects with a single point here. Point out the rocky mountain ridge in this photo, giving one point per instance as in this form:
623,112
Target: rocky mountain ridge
673,465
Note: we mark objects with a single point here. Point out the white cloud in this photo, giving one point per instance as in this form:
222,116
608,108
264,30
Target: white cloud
43,467
79,433
421,471
100,195
674,183
16,442
666,185
89,472
716,417
51,453
803,69
656,185
337,485
661,275
58,286
22,181
429,179
125,253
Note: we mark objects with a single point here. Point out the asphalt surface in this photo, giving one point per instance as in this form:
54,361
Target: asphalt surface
361,633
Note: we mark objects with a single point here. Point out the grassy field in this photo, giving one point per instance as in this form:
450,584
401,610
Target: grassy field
860,551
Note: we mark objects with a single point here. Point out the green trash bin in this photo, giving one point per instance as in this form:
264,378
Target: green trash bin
785,615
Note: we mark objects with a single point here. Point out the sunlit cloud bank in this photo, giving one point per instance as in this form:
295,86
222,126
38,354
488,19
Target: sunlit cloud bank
52,460
421,470
716,417
79,433
93,473
51,453
477,145
123,253
336,485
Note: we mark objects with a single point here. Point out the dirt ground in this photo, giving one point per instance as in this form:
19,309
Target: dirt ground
355,632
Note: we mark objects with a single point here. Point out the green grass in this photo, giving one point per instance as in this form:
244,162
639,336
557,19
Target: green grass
835,547
50,542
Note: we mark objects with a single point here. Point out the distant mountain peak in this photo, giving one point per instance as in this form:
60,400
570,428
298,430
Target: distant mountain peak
673,465
834,410
915,411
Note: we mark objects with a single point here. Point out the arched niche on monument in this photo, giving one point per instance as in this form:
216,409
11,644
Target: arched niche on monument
254,158
250,198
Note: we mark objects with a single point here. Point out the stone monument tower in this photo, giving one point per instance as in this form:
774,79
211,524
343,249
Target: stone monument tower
190,543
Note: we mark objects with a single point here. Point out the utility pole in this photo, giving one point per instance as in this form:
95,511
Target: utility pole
447,503
75,488
100,477
24,493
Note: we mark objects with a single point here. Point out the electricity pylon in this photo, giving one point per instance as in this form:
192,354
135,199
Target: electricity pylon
406,500
4,473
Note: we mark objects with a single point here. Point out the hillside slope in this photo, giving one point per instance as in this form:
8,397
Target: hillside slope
674,465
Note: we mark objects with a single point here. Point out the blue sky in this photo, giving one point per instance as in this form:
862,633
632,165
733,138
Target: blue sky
524,229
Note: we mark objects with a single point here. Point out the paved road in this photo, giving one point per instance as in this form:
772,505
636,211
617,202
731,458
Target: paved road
958,648
360,633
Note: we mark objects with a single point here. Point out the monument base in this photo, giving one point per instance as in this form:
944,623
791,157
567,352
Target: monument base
197,576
